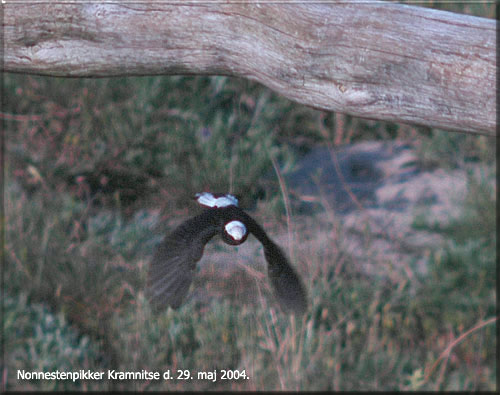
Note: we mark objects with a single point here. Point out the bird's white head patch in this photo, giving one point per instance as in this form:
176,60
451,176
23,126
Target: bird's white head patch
236,230
210,200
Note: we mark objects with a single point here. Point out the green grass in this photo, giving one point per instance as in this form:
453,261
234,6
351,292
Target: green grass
38,340
358,334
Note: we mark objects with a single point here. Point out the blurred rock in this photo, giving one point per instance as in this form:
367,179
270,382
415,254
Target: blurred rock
345,177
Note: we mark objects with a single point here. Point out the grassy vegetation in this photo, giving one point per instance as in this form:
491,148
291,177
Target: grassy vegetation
98,170
77,252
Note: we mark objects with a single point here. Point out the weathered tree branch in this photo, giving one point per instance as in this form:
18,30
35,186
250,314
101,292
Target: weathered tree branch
374,60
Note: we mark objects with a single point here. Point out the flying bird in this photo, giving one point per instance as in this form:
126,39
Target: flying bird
172,267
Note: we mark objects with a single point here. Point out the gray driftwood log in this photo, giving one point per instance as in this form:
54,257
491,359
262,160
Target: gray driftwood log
373,59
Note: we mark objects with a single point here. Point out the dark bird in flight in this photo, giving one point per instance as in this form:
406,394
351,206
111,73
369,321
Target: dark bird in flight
173,265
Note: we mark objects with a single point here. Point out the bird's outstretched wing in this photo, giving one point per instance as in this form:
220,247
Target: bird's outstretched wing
288,287
172,267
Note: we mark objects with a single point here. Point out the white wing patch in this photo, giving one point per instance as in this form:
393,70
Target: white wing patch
209,200
236,230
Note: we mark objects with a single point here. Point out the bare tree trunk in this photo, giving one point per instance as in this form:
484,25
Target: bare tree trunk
375,60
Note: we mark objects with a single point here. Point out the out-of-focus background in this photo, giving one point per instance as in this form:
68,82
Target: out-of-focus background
391,227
